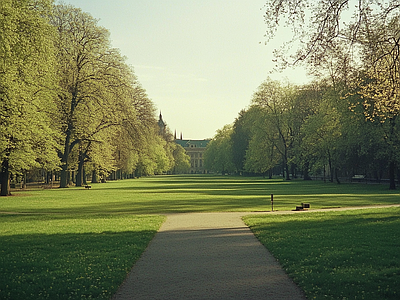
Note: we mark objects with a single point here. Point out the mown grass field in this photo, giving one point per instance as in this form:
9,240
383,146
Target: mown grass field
171,194
70,256
351,254
79,244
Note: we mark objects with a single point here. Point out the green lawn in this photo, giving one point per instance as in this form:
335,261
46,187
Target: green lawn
76,243
337,255
70,256
169,194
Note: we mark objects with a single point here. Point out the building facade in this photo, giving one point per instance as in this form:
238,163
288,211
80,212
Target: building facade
195,149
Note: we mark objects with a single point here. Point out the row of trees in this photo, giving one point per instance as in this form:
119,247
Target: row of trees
69,102
344,124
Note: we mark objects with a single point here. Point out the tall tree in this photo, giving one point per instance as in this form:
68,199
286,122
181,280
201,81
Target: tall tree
240,141
218,155
367,31
322,131
320,27
94,80
262,155
380,88
181,160
306,102
277,101
26,81
138,134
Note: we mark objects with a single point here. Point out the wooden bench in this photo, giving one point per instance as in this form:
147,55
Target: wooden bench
358,178
303,206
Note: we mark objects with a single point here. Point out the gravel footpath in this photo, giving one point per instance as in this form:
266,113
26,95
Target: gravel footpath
207,256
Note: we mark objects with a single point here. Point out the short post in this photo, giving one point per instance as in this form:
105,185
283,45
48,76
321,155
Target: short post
272,201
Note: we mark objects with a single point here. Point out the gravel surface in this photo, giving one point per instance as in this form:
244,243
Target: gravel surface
207,256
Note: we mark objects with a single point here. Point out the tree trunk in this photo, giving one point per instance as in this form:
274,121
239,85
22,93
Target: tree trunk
23,183
64,180
293,169
287,171
337,176
330,166
64,163
94,176
84,175
64,176
286,168
398,175
392,164
71,177
79,178
286,165
5,179
392,180
306,170
79,174
49,176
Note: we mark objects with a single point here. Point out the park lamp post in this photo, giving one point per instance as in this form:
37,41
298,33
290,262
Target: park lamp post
272,202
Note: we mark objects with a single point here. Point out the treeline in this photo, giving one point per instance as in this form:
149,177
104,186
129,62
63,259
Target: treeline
343,125
70,104
318,129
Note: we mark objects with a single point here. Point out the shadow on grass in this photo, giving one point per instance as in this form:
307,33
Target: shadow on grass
171,194
238,186
352,254
68,266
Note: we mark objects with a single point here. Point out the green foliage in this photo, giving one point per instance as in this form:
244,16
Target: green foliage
321,133
276,116
356,46
93,80
105,116
262,154
70,256
181,160
27,84
318,129
240,138
218,155
153,158
338,255
380,53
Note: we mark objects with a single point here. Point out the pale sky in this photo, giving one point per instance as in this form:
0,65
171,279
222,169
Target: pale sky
200,61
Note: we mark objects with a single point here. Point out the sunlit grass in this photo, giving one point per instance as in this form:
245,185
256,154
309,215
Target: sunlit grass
337,255
76,243
170,194
70,256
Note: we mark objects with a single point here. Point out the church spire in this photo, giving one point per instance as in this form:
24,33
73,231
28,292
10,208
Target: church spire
161,125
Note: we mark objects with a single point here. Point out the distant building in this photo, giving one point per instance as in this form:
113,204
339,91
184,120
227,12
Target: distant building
195,149
162,126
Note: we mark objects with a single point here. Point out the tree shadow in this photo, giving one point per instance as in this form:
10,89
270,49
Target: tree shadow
68,266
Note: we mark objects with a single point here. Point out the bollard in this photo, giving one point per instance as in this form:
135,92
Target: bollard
272,202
